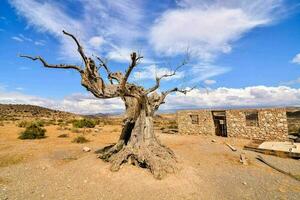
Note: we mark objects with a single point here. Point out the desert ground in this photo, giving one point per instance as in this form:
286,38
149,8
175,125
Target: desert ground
56,168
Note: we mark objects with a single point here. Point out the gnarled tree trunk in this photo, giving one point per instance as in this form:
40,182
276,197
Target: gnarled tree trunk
138,144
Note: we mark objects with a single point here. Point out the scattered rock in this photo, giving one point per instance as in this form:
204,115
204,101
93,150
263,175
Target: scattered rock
213,140
86,149
243,159
244,183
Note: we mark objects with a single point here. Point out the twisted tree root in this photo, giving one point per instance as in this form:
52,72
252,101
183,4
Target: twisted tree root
159,159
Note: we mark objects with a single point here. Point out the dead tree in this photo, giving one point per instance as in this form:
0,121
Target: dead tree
137,144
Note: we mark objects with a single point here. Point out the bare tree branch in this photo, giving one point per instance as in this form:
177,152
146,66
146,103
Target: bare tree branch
104,65
166,93
79,47
158,79
134,62
61,66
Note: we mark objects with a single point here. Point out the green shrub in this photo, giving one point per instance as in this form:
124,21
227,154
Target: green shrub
33,131
80,139
84,123
39,123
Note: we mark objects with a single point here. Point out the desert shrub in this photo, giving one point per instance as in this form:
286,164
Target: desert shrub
39,123
23,124
80,139
64,135
84,123
33,132
60,120
75,130
1,123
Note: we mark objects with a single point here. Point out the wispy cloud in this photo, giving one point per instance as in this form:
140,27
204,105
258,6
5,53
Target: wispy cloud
18,39
291,82
209,82
102,22
296,59
209,27
21,38
205,71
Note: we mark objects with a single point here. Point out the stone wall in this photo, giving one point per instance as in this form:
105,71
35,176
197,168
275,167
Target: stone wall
204,126
272,124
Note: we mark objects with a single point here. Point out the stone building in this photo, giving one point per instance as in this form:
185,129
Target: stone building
262,124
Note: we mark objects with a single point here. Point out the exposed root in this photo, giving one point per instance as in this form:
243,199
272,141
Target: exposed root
159,159
108,151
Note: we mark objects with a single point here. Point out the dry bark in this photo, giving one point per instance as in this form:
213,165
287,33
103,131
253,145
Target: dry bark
138,143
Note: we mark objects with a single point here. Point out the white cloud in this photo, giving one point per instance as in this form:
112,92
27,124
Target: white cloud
40,43
210,82
291,82
77,103
256,96
115,22
203,71
96,41
152,71
19,88
209,27
18,39
296,59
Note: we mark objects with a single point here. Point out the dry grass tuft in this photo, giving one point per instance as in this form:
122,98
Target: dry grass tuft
8,160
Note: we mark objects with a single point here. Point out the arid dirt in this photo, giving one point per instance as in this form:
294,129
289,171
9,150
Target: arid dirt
56,168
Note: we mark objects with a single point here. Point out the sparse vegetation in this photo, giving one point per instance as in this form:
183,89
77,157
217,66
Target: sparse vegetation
84,123
75,130
33,131
1,123
7,160
23,124
64,135
80,139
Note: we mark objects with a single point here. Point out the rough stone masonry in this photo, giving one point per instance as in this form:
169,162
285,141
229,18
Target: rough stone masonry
263,124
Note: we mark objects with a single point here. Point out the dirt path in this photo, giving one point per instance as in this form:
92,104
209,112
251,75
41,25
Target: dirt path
55,168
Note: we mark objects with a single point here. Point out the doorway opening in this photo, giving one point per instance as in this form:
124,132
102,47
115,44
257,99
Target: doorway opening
219,118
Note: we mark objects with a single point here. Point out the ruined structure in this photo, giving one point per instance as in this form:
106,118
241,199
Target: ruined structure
262,124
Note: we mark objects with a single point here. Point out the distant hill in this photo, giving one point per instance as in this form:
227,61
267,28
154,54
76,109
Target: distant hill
17,111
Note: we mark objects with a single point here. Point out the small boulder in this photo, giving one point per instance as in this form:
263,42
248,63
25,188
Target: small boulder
86,149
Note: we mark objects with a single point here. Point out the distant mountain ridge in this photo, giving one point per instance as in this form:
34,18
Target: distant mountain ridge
15,111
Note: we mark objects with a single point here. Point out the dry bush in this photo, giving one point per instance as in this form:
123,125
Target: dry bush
64,135
75,130
23,124
80,139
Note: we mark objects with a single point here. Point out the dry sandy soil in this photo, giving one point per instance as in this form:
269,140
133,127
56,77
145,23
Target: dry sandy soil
56,168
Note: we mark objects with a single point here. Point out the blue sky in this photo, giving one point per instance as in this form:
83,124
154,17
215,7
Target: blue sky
242,53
